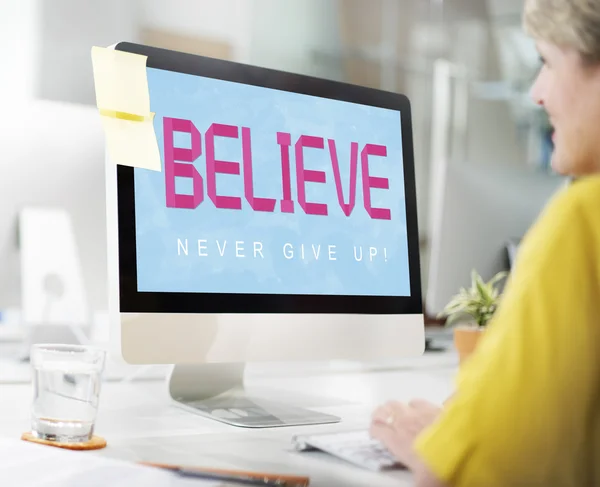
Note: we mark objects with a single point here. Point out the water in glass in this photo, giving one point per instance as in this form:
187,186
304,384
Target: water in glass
66,393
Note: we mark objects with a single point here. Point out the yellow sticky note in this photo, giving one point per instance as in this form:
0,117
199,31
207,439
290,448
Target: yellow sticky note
132,143
121,82
123,99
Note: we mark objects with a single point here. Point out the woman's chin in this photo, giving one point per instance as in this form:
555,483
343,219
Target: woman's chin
560,164
575,163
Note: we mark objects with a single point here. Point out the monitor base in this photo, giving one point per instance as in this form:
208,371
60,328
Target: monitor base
216,391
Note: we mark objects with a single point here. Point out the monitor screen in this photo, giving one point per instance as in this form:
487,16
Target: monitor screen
264,191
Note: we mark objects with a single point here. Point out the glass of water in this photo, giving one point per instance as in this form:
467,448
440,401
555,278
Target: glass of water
66,391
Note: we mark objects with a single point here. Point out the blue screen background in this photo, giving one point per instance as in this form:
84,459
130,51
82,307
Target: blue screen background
163,266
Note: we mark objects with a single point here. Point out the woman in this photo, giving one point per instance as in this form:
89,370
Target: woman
526,411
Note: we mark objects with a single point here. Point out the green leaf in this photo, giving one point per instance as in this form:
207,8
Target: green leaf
497,278
479,302
483,290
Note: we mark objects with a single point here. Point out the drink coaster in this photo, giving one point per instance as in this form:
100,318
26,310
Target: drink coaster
96,443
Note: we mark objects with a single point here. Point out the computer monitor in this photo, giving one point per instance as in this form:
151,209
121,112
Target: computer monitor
282,227
52,156
480,210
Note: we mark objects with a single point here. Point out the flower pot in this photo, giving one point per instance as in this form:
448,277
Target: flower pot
465,340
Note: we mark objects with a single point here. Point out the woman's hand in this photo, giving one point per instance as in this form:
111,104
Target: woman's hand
398,424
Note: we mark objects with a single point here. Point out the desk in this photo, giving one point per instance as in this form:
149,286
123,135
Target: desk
139,423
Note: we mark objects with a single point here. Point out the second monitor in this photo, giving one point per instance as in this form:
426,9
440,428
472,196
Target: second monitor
282,227
481,212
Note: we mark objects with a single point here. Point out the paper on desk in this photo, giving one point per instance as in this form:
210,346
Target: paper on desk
123,98
25,464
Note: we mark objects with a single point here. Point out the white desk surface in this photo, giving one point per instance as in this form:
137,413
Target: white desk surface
140,424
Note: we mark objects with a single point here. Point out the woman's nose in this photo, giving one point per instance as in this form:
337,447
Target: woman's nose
536,92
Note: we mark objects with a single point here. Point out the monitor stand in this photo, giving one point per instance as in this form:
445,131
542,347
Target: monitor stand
217,392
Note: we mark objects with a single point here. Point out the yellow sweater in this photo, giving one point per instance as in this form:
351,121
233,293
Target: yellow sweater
527,406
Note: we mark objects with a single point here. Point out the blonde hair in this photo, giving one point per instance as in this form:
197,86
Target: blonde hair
571,24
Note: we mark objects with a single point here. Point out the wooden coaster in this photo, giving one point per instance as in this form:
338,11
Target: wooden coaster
96,443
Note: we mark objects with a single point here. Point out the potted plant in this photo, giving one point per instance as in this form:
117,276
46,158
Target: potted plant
473,308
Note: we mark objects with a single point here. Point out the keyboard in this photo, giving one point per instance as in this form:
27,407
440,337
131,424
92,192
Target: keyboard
356,447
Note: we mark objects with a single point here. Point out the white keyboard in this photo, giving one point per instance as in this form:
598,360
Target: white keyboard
356,447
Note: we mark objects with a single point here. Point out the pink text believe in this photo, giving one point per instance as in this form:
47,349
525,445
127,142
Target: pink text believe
178,164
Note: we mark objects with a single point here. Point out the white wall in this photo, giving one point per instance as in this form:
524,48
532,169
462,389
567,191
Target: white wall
45,45
271,33
285,34
68,30
224,20
18,35
492,127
